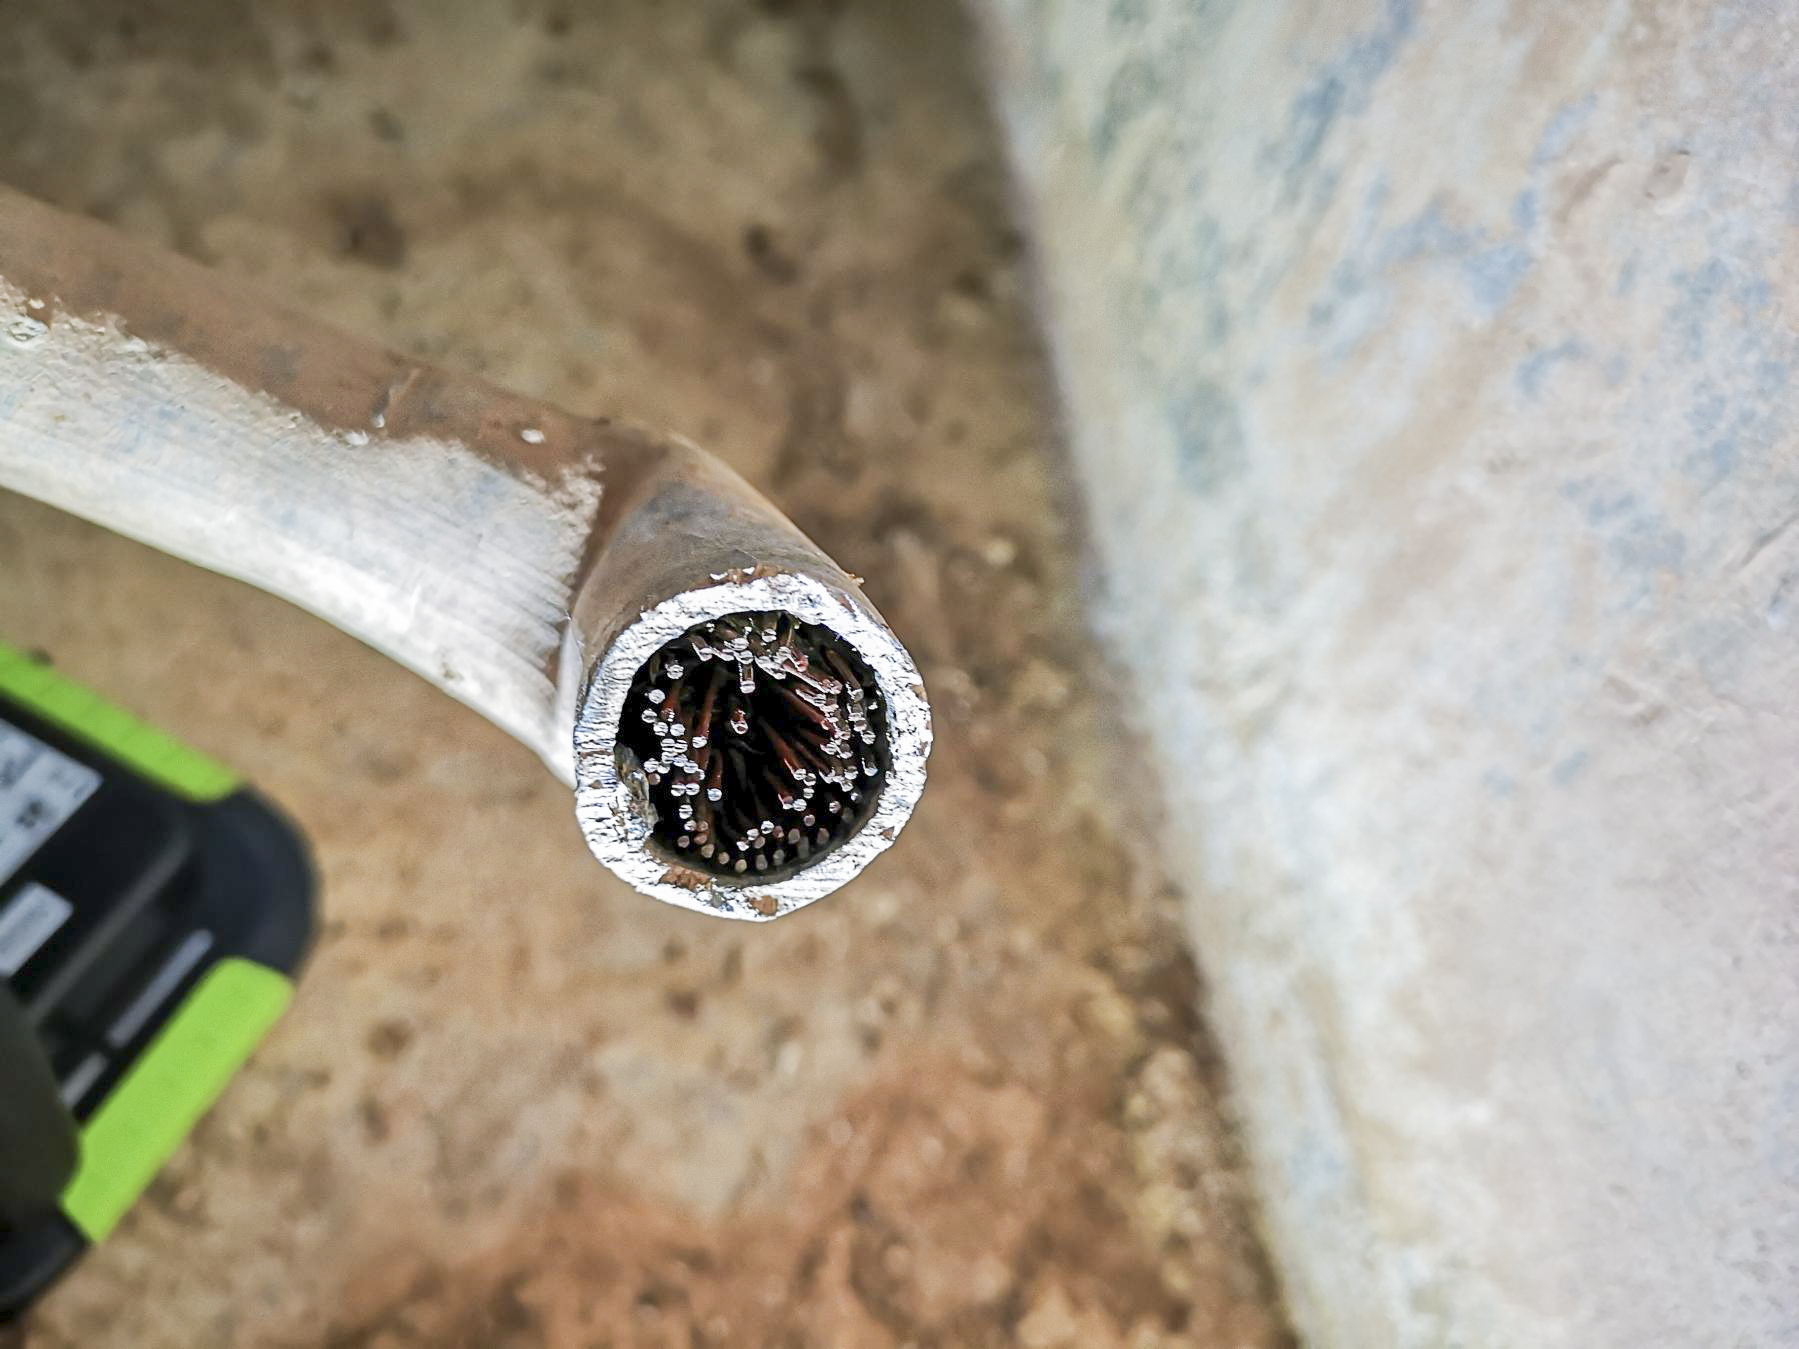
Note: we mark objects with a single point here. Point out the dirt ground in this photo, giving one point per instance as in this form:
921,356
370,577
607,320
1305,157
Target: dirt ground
965,1102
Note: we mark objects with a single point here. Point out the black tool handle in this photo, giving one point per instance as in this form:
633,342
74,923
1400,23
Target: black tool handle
38,1147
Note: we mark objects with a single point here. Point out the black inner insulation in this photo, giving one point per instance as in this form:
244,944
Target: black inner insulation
761,740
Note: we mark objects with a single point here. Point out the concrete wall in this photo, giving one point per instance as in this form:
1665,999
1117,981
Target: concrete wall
1430,374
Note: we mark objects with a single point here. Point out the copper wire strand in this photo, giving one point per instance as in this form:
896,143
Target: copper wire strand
793,750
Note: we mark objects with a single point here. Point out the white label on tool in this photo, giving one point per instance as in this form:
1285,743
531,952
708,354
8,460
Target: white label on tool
29,919
39,790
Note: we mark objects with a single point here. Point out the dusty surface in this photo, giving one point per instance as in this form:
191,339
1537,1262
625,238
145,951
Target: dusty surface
966,1102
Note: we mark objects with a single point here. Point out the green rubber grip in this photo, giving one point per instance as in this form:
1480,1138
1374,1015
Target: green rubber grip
174,1082
140,747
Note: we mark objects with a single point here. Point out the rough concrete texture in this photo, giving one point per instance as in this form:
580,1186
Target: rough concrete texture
1430,371
966,1101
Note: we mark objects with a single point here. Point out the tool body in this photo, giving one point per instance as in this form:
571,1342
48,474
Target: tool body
153,915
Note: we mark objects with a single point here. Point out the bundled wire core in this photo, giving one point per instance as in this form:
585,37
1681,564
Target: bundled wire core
760,742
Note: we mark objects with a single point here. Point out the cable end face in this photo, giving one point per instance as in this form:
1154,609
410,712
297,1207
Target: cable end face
746,747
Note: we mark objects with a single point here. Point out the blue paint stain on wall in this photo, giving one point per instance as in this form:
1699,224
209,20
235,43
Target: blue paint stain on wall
1341,85
1494,274
1133,89
1535,368
1639,542
1492,265
1308,124
1736,355
1569,768
1646,543
1429,234
1713,461
1208,435
1526,207
1696,306
1727,424
1355,299
1562,131
1708,409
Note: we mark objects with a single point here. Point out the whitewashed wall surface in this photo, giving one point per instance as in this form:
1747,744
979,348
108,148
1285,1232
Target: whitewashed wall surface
1430,373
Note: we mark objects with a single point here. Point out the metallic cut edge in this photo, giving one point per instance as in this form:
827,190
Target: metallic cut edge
615,825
